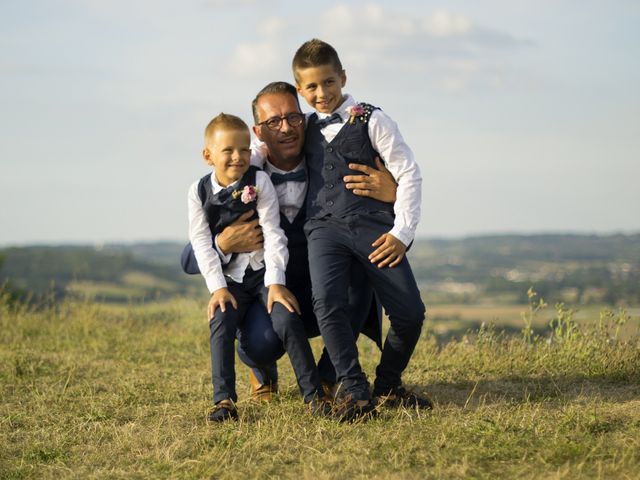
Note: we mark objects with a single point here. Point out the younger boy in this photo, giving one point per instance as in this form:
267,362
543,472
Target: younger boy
343,226
215,201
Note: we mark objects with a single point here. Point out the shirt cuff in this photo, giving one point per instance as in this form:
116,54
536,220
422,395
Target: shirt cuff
274,276
402,234
224,259
215,282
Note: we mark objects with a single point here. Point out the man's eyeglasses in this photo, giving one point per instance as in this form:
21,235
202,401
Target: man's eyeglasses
293,119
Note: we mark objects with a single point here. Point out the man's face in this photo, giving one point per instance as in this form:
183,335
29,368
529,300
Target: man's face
321,87
285,143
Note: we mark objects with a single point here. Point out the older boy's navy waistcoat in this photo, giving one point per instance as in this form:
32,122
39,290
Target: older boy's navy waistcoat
327,164
221,208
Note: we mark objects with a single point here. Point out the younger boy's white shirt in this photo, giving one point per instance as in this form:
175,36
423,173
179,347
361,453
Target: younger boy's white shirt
273,256
387,140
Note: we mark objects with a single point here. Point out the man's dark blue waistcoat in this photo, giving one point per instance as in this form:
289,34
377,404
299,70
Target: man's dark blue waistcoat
298,265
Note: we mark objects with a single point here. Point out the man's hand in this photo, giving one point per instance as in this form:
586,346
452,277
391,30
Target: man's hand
220,298
280,293
241,236
378,184
389,251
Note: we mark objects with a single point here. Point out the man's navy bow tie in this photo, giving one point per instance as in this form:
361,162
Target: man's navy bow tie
297,176
335,118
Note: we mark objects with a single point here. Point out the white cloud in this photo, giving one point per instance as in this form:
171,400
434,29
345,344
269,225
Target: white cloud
340,18
229,3
266,56
272,26
444,24
447,50
249,58
373,23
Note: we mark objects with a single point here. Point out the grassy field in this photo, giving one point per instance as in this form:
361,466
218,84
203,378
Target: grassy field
453,321
95,391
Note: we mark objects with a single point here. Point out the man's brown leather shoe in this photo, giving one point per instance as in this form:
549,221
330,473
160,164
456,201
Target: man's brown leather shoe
260,392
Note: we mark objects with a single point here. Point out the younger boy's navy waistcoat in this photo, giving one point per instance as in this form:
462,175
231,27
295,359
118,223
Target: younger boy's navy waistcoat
327,164
225,207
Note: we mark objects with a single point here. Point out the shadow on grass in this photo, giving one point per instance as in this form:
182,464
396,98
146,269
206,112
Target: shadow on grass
530,389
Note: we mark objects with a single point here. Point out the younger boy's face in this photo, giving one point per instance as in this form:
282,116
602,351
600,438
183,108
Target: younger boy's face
229,153
321,87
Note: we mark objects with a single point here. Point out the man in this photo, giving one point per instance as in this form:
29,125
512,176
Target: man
279,124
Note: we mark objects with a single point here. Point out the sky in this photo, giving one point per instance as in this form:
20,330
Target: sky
524,115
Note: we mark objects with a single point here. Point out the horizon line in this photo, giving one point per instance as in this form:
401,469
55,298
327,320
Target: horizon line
451,237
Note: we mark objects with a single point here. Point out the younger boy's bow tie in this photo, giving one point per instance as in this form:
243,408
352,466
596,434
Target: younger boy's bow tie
298,176
335,118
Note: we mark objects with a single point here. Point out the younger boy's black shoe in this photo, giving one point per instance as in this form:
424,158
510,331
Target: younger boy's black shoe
401,397
223,411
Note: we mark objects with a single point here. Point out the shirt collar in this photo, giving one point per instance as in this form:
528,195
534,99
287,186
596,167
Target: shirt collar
342,110
271,168
216,187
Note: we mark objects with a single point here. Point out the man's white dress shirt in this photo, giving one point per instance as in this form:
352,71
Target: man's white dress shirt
290,194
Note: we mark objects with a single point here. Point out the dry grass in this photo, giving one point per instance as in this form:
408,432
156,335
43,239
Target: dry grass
92,391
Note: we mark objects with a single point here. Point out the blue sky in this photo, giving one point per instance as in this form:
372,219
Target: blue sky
524,115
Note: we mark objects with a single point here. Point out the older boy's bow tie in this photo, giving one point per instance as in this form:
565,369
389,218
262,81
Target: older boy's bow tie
335,118
298,176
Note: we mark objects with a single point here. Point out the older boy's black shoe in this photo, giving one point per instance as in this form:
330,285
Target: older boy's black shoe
330,389
320,406
401,397
346,409
223,411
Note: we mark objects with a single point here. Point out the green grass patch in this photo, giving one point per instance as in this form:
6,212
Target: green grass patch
92,391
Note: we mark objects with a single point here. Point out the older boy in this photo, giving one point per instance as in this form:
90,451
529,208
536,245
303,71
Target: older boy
342,227
215,201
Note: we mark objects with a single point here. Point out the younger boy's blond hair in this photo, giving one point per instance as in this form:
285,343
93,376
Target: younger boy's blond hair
224,121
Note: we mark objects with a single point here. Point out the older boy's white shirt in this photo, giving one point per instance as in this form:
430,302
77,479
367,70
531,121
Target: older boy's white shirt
387,140
273,256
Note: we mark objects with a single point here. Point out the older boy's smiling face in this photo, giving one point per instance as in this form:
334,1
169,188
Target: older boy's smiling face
228,152
321,87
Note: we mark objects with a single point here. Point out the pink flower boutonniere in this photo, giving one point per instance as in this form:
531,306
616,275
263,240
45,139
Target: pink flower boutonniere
355,111
247,195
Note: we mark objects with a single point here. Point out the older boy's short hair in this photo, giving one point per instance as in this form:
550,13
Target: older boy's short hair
315,53
224,121
273,87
